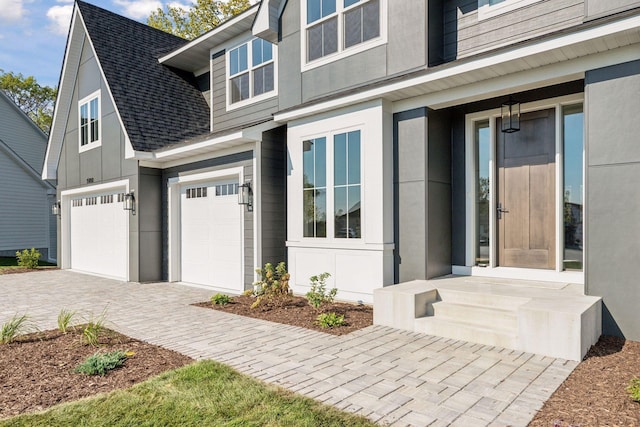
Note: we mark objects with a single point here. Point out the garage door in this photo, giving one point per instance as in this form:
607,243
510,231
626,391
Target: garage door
99,235
211,235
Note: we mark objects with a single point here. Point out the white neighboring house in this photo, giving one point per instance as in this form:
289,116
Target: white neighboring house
25,199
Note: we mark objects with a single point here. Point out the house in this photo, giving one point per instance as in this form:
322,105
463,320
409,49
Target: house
385,142
25,200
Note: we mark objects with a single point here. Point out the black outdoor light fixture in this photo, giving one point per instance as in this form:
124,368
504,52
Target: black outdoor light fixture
245,196
510,112
129,202
55,208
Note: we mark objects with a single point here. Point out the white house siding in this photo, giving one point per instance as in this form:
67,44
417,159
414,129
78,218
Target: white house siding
357,266
24,213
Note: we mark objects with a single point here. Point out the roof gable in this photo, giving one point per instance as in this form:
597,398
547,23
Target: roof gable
158,105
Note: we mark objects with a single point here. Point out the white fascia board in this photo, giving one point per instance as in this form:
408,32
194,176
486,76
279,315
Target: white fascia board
467,67
205,37
50,167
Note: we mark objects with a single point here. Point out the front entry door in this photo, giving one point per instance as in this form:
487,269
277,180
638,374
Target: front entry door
526,193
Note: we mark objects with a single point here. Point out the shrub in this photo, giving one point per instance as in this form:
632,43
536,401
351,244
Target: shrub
273,286
634,389
94,328
101,363
318,294
220,299
28,258
17,325
330,320
64,319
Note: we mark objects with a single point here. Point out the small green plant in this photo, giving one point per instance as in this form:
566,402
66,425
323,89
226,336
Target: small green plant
273,286
318,295
101,363
634,389
220,299
28,258
94,328
17,325
330,320
64,320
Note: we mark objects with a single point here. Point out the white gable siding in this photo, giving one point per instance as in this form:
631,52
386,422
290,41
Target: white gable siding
21,135
24,213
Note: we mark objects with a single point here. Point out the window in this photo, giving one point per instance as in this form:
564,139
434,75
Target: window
227,189
333,26
482,179
346,181
314,170
196,193
573,179
251,70
89,114
332,186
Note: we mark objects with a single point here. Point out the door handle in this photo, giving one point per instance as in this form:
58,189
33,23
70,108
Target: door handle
501,211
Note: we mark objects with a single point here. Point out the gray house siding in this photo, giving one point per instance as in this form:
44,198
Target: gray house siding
613,196
406,49
102,164
598,8
149,203
422,189
273,194
223,119
465,35
244,160
22,135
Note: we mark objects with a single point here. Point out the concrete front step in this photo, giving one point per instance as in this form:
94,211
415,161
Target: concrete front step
555,320
480,315
459,330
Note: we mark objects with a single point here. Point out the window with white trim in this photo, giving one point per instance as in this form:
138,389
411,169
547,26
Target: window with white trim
251,71
332,180
333,26
89,121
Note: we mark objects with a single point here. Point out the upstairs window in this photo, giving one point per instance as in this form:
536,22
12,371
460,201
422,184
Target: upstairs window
333,26
251,71
89,115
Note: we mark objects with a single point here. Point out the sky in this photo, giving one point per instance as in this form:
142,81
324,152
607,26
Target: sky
33,33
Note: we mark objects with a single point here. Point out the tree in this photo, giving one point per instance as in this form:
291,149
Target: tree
34,100
197,20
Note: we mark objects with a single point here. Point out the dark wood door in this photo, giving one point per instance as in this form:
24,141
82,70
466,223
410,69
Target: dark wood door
526,193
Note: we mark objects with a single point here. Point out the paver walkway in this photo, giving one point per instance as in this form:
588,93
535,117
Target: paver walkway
393,377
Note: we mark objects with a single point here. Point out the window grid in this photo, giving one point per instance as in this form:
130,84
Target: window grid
227,189
337,25
76,203
196,193
90,201
89,122
106,199
314,187
347,185
251,70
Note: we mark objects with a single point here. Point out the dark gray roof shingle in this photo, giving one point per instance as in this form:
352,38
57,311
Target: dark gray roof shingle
159,105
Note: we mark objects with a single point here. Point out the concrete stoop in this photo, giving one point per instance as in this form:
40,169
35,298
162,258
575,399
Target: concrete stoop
552,319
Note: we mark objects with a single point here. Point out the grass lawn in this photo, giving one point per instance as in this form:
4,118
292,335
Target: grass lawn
13,262
203,393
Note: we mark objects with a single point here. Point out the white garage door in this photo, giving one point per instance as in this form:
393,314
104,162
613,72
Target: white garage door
211,235
99,235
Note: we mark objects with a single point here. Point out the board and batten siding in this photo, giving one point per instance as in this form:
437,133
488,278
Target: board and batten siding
465,34
24,213
250,113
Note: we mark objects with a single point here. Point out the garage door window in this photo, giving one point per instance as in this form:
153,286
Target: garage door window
226,189
196,193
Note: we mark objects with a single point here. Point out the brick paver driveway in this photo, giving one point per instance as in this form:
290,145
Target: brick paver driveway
391,376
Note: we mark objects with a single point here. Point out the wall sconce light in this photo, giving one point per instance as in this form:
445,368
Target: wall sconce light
129,203
56,208
510,116
245,196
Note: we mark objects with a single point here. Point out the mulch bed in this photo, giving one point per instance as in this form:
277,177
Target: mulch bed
297,312
595,392
17,270
37,370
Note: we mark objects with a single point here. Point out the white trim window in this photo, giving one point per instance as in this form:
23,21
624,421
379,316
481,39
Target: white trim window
251,72
339,180
89,122
332,27
490,8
